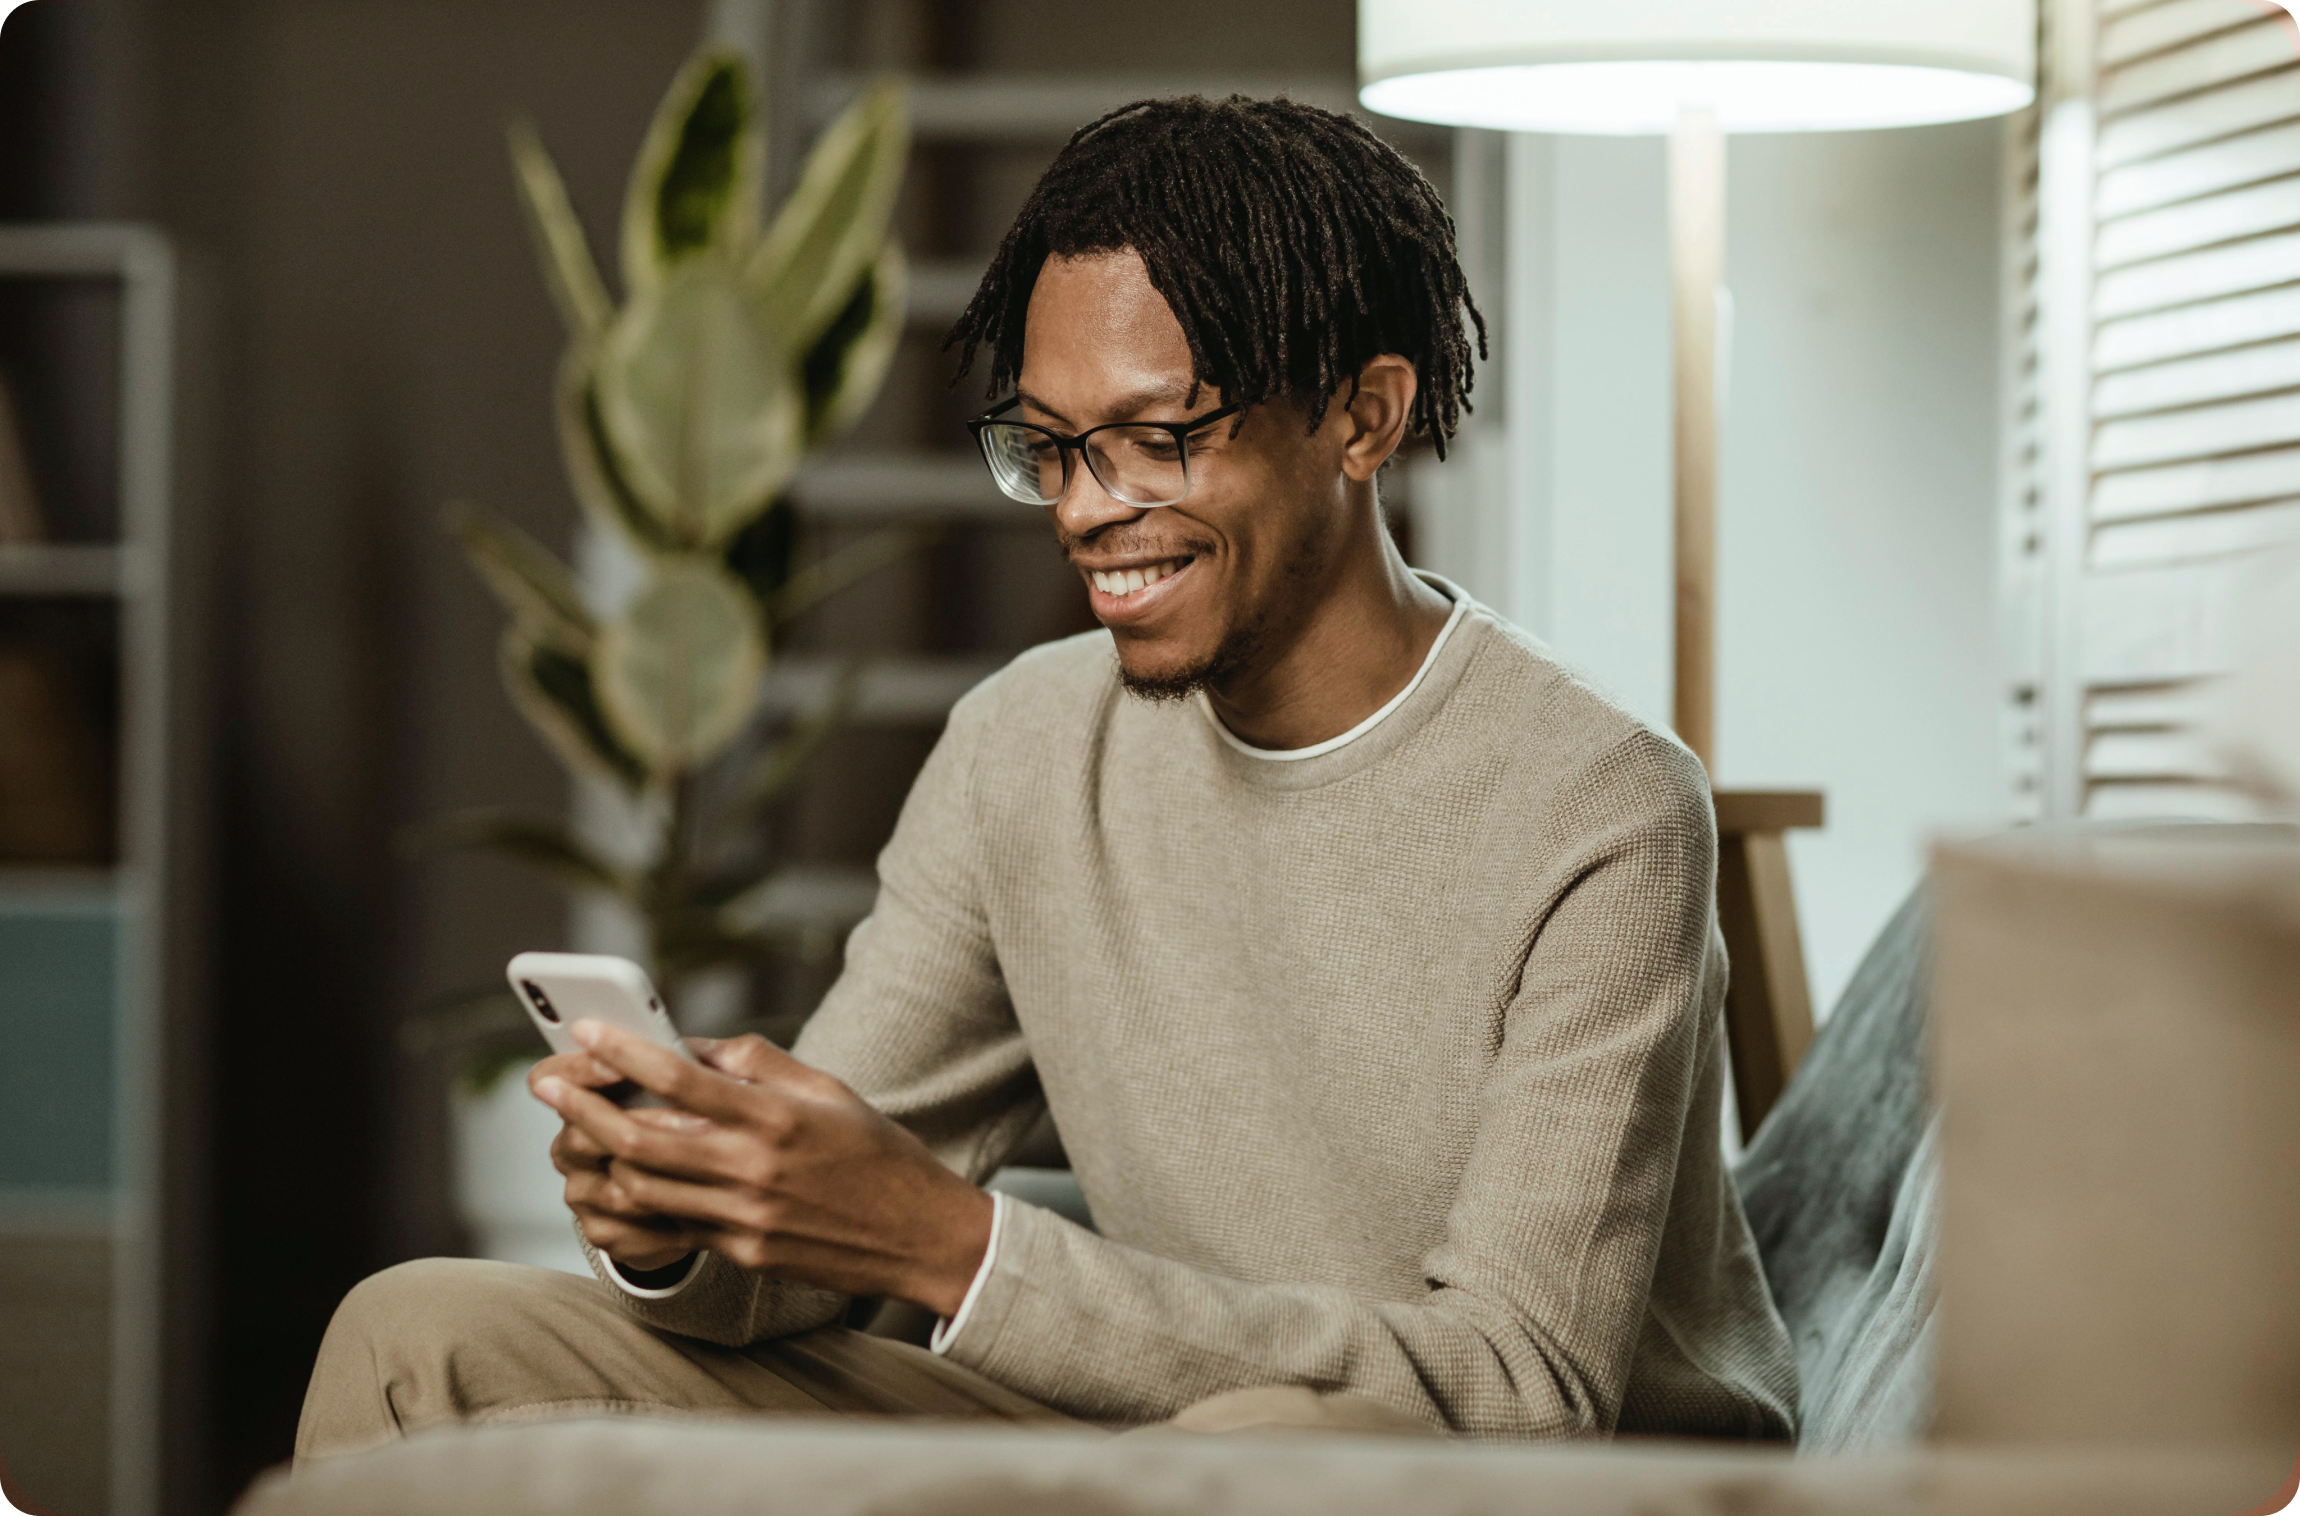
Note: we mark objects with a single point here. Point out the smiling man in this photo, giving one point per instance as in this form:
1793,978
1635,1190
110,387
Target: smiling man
1364,957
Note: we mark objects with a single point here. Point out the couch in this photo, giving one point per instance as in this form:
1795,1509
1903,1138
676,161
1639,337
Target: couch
1841,1185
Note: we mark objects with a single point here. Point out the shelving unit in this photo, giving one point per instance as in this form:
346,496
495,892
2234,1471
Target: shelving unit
82,949
56,570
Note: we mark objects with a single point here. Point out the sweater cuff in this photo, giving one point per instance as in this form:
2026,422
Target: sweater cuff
653,1284
949,1327
975,1333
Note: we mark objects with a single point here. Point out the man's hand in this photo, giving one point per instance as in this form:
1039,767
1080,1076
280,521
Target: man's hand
612,1222
778,1166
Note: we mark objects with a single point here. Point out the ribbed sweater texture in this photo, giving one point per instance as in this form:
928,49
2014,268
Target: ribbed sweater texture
1396,1070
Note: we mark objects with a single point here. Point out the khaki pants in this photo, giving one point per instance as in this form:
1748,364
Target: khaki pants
460,1339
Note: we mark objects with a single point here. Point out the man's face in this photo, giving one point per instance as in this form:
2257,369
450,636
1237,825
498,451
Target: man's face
1233,568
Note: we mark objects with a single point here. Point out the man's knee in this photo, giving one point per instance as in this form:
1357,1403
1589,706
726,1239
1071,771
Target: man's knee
426,1341
449,1301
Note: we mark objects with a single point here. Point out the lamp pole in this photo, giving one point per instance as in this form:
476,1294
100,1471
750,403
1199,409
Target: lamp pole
1696,273
1634,65
1768,1009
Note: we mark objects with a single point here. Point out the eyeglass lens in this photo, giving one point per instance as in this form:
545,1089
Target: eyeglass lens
1140,465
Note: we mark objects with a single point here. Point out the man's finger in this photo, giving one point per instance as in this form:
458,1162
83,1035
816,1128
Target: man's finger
705,1205
574,1148
590,1192
688,1085
594,1195
707,1153
573,1068
591,1120
751,1059
574,1151
616,1236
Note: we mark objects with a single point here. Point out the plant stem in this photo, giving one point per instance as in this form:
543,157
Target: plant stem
668,888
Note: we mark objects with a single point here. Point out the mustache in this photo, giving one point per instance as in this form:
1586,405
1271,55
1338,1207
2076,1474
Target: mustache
1127,539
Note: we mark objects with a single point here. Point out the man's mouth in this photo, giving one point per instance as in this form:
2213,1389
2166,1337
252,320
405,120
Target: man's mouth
1120,583
1128,594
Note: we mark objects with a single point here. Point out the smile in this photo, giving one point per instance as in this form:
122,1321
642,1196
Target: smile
1135,595
1119,583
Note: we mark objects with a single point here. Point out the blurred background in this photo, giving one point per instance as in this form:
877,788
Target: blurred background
345,331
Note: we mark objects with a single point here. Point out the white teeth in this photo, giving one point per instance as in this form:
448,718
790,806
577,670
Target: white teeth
1122,582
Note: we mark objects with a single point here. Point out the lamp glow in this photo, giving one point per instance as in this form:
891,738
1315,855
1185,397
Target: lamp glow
1638,66
1696,70
1648,95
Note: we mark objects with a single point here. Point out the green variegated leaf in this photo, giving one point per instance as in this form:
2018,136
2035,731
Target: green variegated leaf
702,410
552,688
695,188
591,463
678,672
834,226
848,363
559,241
533,585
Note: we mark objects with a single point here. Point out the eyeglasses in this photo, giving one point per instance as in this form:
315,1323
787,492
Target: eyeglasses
1138,462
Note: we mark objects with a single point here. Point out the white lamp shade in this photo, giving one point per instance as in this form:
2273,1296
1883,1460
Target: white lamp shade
1628,66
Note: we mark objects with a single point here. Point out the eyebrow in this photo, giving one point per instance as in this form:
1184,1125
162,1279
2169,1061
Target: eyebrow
1126,405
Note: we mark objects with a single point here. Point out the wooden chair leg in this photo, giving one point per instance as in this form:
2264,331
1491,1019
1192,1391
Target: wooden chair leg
1768,1007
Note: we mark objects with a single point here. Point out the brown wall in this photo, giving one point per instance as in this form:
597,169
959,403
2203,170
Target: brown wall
398,349
406,350
383,347
378,344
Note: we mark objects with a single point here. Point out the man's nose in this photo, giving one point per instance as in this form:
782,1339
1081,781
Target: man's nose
1087,507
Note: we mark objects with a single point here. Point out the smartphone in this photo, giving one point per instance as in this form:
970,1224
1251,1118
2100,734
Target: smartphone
560,989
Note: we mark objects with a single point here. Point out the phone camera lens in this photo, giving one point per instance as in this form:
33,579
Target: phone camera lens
542,1001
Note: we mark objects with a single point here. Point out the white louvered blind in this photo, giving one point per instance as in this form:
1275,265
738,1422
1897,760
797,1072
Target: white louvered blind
2190,390
2021,515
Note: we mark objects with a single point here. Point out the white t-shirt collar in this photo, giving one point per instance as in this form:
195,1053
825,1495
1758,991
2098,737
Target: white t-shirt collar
1319,749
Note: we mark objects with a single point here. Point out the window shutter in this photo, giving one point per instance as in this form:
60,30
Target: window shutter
2022,562
2185,398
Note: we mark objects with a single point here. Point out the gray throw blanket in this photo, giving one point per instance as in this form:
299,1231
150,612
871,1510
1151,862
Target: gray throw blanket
1841,1186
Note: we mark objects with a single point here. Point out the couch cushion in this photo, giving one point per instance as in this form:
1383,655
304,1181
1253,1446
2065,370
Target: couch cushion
1840,1185
644,1466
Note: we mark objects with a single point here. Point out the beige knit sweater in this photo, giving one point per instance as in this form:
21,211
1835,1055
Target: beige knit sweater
1393,1070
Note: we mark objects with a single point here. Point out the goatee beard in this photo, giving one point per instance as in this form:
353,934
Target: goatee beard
1214,668
1237,651
1241,646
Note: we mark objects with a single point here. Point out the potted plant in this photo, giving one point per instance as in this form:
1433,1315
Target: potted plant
739,346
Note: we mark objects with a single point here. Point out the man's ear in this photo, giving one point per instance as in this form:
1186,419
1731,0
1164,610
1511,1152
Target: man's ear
1377,416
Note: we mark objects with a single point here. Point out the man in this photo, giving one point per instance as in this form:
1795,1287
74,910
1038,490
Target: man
1364,958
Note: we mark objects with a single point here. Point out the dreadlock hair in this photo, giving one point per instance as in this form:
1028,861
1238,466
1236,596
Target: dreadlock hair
1291,243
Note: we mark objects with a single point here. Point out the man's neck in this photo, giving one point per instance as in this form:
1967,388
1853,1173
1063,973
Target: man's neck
1363,643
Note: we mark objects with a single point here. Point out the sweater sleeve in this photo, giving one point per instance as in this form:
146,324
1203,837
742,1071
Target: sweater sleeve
918,1024
1536,1295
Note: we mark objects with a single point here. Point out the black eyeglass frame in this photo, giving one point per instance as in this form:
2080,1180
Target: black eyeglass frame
1179,430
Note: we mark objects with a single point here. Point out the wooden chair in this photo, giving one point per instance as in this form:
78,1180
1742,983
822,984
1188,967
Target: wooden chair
1768,1008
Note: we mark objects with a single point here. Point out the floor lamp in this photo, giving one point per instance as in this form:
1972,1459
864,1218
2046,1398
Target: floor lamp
1696,70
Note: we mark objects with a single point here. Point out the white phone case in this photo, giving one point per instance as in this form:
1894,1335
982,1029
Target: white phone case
560,989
